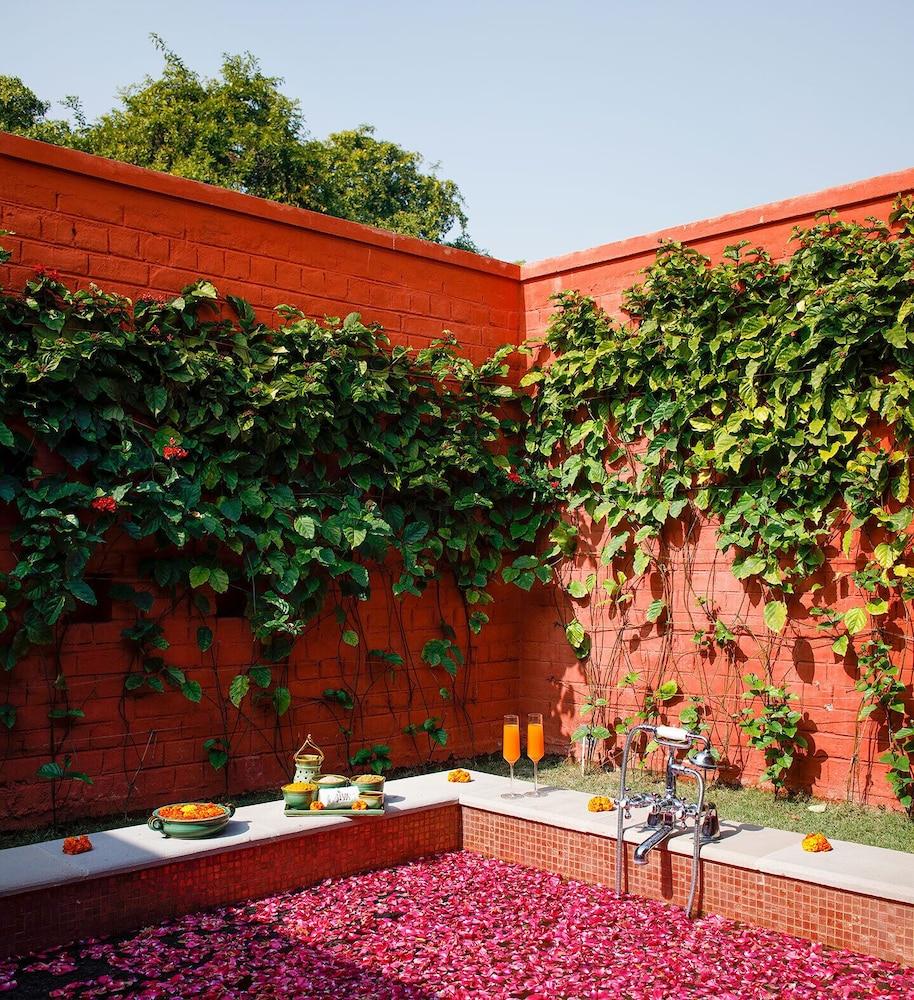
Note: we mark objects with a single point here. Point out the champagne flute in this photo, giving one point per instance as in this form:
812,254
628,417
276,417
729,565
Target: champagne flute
535,745
511,747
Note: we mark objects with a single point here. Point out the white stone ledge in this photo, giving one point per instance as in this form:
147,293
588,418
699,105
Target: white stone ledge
870,871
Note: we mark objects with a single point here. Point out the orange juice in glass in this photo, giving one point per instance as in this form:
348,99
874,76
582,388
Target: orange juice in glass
510,745
535,744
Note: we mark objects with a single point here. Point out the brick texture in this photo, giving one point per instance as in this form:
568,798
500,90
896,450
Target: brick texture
119,903
36,920
879,927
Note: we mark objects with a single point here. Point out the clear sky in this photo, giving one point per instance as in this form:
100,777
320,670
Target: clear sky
567,123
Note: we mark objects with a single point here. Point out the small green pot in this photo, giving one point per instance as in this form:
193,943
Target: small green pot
332,781
298,799
369,782
189,829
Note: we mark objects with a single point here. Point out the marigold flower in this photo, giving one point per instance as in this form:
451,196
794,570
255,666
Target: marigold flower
600,803
459,775
316,806
76,845
173,450
816,842
358,805
106,504
192,810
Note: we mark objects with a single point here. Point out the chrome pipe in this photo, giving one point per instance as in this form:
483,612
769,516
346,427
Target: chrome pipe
623,797
696,845
649,843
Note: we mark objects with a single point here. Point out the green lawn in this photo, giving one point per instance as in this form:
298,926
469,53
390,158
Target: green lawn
840,821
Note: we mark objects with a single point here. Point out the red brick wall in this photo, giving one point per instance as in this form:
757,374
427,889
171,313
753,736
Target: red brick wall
132,231
113,904
553,681
883,928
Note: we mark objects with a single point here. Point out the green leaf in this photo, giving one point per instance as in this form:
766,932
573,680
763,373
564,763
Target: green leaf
885,555
642,561
752,565
231,508
574,631
896,335
204,638
305,526
655,610
192,691
879,607
667,691
578,589
238,689
199,575
282,699
81,590
219,580
840,645
8,715
775,615
261,676
351,638
156,399
855,620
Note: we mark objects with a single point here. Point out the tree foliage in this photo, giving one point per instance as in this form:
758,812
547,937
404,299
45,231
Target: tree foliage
239,131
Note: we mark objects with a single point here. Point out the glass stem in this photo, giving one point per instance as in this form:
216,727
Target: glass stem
512,778
535,780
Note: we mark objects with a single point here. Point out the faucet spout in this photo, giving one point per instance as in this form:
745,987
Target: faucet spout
648,844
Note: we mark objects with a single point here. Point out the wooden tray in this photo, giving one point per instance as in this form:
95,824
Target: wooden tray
337,811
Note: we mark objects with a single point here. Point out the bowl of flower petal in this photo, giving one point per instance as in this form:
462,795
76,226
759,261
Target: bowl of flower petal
299,794
188,820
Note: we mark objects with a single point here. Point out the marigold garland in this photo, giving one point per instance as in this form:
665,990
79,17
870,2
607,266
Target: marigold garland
600,803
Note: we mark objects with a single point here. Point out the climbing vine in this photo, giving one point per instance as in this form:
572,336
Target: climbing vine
279,466
773,399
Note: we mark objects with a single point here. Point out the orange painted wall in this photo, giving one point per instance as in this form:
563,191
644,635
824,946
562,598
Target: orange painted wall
133,230
552,680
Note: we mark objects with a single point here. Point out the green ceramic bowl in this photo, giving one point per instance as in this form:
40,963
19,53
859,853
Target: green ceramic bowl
299,799
189,829
369,782
374,800
332,781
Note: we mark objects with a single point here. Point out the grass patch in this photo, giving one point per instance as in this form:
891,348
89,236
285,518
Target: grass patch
873,825
840,821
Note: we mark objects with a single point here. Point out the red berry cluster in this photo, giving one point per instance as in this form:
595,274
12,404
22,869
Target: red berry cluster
514,477
106,504
48,274
173,450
